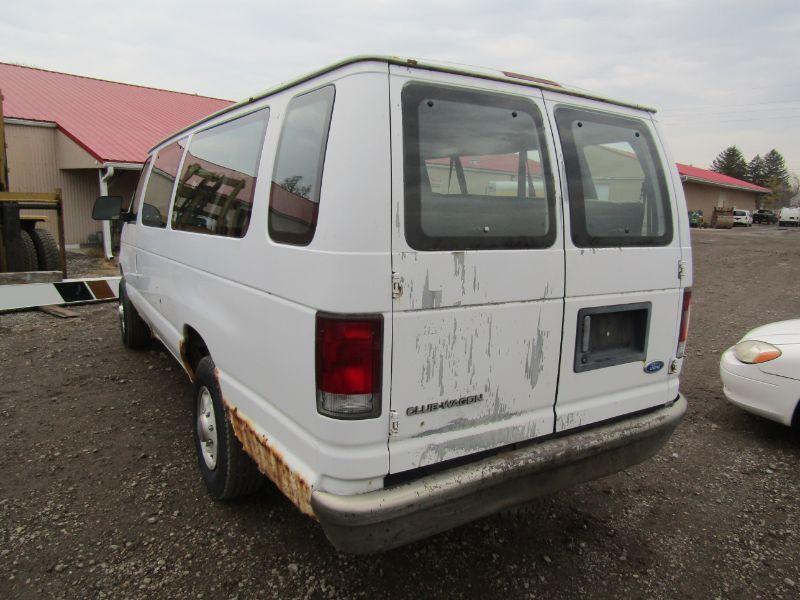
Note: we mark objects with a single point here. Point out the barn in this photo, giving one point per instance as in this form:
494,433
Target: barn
705,190
86,137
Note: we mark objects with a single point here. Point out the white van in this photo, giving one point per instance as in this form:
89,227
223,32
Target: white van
789,217
742,217
414,294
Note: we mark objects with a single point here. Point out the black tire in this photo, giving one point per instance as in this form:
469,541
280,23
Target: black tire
47,253
30,251
135,332
233,473
27,258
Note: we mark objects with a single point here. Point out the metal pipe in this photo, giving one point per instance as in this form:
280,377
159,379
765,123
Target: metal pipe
104,178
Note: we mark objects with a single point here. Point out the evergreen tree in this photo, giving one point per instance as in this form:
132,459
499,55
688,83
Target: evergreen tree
756,171
775,172
730,162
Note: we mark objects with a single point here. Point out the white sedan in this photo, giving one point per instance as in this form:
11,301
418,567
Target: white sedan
761,374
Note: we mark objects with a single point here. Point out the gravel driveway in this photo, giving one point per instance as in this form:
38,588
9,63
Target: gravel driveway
100,495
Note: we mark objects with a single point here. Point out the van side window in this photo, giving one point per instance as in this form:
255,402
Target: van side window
297,178
477,174
157,196
136,201
215,193
617,190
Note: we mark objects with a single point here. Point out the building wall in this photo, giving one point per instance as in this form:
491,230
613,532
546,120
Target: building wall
706,197
71,156
31,152
35,157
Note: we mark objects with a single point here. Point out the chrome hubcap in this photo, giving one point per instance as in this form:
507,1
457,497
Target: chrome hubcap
207,428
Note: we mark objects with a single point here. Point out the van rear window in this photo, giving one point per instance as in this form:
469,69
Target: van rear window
297,178
617,190
215,194
476,171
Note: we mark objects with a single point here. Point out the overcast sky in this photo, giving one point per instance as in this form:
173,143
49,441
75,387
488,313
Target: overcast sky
720,73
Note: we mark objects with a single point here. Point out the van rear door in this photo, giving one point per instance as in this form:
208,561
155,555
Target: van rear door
478,267
623,263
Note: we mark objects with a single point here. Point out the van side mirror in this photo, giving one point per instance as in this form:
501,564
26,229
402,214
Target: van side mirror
107,208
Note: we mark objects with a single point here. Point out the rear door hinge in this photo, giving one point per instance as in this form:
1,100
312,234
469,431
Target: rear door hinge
397,285
681,269
394,423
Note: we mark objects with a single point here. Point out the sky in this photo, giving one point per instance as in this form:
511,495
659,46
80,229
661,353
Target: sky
720,73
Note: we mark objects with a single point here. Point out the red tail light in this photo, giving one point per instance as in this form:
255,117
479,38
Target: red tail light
349,359
684,331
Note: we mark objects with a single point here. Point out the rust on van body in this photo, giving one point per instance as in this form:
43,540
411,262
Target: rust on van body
187,367
271,462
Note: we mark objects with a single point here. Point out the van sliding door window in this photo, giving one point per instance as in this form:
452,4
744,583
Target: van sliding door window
476,171
157,196
215,194
296,181
617,189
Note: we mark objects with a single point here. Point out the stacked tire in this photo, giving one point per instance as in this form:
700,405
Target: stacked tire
40,252
48,256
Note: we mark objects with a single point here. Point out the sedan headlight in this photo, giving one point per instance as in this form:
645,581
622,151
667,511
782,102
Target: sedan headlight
754,352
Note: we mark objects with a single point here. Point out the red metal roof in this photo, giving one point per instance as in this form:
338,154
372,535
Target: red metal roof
713,178
114,122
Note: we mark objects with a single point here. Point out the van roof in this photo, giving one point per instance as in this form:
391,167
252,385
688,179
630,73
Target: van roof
438,66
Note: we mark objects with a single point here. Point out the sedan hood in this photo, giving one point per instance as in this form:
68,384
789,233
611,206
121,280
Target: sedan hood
779,334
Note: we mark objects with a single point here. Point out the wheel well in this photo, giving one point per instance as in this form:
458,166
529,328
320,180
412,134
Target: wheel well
193,349
796,416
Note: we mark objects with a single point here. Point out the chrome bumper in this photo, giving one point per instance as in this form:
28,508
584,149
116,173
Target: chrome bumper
394,516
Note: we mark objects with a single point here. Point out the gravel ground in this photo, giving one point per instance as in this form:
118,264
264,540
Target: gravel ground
90,263
100,495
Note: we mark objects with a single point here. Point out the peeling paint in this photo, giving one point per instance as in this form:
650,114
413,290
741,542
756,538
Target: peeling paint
430,298
271,462
534,360
459,270
441,375
489,343
435,453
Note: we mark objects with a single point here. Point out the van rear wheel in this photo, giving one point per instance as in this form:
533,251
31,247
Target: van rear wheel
226,468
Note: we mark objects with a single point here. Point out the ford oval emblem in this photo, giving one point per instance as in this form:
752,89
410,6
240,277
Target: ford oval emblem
654,366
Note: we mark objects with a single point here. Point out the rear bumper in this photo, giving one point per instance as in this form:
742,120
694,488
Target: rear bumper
411,511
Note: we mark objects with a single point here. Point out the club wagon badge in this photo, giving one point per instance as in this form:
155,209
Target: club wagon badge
426,408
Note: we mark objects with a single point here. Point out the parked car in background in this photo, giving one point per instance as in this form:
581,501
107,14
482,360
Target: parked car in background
764,215
742,218
789,217
761,374
332,262
696,218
